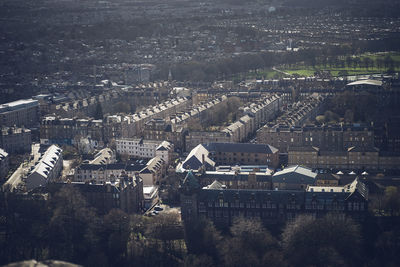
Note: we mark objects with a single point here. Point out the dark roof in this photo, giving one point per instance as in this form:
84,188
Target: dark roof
327,176
275,196
240,147
191,181
363,149
230,176
247,195
295,175
91,167
135,167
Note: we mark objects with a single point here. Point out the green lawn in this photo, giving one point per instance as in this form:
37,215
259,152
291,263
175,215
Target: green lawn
305,70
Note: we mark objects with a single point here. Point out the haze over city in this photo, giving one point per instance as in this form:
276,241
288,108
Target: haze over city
199,133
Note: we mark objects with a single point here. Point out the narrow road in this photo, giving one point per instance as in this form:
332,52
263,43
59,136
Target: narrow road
275,69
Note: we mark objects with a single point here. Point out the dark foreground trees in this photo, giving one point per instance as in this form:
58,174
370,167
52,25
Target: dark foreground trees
329,241
66,228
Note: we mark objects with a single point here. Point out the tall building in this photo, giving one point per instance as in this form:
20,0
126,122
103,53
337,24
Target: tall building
24,112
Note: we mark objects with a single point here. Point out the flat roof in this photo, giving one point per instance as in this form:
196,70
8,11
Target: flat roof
366,82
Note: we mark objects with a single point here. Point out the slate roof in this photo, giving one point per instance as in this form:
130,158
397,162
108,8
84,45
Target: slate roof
295,174
232,176
248,195
241,147
195,158
216,191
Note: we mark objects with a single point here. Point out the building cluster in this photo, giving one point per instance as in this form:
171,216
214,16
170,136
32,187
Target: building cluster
174,127
125,194
81,106
201,113
222,204
253,116
141,148
69,131
299,112
149,172
208,156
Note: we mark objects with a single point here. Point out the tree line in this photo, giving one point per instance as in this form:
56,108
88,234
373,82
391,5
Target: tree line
65,228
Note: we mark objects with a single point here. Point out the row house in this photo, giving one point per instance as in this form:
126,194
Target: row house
68,131
327,137
254,116
141,148
354,158
87,106
47,168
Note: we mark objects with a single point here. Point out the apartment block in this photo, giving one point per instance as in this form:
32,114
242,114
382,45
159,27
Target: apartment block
24,112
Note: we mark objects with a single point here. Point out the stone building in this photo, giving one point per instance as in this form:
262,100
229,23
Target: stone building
354,158
223,205
126,194
330,137
243,154
16,140
4,165
47,169
24,112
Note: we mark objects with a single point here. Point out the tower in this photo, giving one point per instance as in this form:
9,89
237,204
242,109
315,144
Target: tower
189,190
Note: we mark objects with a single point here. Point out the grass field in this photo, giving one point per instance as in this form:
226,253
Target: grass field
305,70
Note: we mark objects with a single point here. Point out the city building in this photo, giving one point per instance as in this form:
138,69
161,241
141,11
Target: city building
293,178
354,158
4,165
237,177
243,154
102,173
193,138
221,204
16,140
327,137
24,112
67,131
153,172
47,168
104,156
140,148
126,194
197,158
